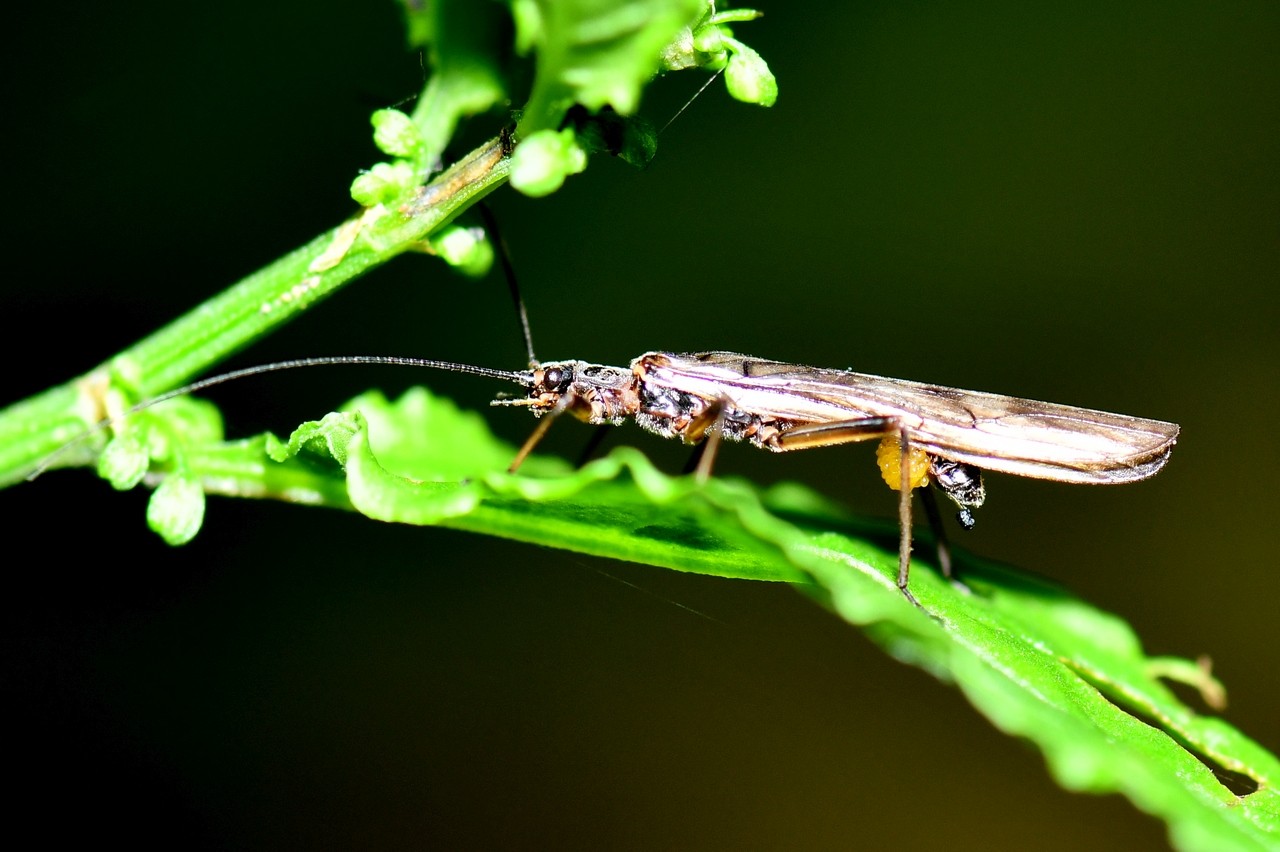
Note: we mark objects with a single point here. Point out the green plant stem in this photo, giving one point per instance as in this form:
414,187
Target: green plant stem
32,429
243,469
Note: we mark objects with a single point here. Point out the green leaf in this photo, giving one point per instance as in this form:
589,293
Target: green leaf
1039,662
596,53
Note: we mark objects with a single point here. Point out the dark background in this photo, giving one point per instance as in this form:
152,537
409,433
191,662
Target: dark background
1073,202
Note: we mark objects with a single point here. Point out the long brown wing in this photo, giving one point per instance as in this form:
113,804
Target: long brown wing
993,432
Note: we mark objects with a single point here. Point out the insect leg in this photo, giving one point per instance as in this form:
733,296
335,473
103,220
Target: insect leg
544,423
939,531
707,427
904,517
837,432
695,459
846,431
597,438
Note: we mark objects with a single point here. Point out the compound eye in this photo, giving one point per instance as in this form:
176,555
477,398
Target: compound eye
553,378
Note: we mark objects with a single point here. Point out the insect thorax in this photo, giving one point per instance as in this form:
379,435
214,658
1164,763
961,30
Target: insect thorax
670,412
604,394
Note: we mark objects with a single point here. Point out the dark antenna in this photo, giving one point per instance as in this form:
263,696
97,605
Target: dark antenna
257,370
509,270
325,361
